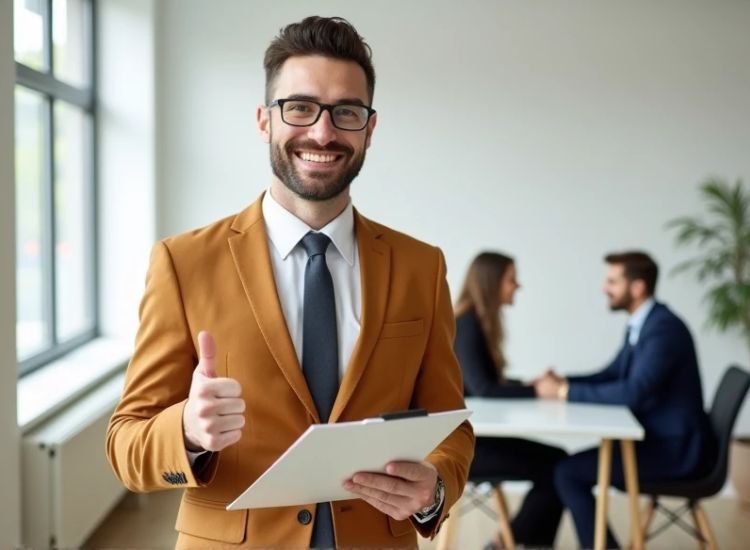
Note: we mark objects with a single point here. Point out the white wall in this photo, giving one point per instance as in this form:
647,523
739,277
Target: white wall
10,471
554,131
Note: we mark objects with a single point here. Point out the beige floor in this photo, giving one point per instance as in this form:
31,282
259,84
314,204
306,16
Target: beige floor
147,521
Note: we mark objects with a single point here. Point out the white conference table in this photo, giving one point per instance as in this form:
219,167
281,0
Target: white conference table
539,417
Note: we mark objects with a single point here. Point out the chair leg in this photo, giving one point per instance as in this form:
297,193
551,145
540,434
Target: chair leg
648,516
506,533
447,533
701,542
704,527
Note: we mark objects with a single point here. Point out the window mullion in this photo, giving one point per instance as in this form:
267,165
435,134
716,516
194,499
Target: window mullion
48,248
93,175
49,55
91,221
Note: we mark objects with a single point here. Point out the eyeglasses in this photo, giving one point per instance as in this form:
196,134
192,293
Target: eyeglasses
304,112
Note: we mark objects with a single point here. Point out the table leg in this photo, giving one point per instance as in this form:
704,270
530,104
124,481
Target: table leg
627,448
605,470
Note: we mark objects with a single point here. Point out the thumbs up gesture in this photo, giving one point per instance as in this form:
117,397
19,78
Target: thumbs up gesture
213,415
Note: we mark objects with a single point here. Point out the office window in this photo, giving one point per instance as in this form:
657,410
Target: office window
56,281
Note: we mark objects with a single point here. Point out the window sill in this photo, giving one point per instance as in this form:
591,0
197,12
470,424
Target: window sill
46,391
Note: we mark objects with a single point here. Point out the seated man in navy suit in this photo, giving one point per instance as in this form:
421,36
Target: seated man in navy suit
655,375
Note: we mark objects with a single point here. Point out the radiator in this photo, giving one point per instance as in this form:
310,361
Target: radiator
68,486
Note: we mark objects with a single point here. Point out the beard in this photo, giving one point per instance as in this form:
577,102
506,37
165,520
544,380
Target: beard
315,186
621,303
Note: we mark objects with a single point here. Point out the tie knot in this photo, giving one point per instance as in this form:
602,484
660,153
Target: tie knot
315,243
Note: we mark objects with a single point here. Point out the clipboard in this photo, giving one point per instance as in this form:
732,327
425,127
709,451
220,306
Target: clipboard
315,466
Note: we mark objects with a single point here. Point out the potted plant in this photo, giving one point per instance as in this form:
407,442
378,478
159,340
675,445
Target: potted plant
723,265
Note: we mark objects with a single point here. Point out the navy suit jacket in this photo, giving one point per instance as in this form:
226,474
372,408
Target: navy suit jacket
659,381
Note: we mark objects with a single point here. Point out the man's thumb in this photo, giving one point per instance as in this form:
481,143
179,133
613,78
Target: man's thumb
207,354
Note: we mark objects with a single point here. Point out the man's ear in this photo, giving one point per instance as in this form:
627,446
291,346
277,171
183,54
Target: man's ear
263,120
370,128
638,289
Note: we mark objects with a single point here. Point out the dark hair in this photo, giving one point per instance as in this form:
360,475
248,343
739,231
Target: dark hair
327,36
481,294
638,265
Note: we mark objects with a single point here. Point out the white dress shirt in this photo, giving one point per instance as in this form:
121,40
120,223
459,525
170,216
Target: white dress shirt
636,321
289,259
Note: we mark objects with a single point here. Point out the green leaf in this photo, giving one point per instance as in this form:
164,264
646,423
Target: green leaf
722,239
724,307
727,202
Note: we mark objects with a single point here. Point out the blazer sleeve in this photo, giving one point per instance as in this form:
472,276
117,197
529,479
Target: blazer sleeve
652,365
480,376
144,441
608,374
439,388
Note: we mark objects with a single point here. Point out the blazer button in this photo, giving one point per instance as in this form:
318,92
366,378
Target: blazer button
304,517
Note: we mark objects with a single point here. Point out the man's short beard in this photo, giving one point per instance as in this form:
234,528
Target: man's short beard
284,169
623,304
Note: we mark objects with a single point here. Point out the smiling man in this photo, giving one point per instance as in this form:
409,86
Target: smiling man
297,310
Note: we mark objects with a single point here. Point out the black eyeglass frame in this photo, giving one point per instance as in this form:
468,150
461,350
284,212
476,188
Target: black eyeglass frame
323,107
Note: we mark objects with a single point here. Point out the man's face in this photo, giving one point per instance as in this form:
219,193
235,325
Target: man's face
617,288
317,162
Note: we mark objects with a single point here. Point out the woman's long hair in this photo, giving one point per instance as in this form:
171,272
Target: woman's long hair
481,294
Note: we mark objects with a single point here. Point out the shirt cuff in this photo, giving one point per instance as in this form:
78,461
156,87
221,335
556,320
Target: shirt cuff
562,391
193,456
432,513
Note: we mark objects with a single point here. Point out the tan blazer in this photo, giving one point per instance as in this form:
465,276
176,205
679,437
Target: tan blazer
219,278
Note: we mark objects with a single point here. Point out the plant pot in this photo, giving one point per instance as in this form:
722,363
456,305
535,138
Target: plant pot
739,467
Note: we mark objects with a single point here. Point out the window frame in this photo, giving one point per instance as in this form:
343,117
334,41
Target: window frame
53,90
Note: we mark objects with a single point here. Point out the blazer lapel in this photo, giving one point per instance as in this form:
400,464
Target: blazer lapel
630,351
375,267
253,262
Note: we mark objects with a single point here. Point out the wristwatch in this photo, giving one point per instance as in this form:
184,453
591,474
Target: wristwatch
439,497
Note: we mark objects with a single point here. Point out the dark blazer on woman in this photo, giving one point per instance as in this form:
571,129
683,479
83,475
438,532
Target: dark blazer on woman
480,375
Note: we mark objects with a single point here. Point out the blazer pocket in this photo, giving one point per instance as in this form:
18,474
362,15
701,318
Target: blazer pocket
402,329
399,528
210,520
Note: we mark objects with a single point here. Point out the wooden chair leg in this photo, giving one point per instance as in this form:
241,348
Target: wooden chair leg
648,516
602,488
447,534
701,545
704,527
506,533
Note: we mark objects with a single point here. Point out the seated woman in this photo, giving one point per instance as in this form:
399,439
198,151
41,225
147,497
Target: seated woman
491,284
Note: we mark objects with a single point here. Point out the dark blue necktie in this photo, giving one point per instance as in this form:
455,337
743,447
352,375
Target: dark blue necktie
320,355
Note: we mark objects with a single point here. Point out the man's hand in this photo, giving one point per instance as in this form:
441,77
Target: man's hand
213,415
403,490
549,371
548,386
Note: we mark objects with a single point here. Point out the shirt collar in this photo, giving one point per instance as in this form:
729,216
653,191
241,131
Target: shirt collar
285,229
635,323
